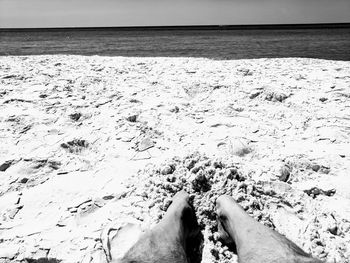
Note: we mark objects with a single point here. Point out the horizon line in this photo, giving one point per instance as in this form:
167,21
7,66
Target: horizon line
189,27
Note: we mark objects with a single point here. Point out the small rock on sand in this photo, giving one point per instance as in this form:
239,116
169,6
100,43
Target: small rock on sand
75,116
132,118
167,169
276,96
254,94
24,180
284,173
315,167
5,166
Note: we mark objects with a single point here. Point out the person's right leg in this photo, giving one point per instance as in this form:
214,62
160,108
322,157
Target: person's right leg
255,242
172,240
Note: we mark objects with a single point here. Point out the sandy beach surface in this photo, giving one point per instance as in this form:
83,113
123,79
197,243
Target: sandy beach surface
89,145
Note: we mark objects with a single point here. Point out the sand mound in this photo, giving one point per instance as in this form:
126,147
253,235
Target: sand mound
276,204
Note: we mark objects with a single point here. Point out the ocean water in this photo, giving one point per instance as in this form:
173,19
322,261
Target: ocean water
323,43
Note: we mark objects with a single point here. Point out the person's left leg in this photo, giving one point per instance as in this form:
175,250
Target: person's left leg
168,241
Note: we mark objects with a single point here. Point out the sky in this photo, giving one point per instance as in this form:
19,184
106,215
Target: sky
94,13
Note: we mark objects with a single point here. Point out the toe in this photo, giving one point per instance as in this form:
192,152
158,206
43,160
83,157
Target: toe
181,196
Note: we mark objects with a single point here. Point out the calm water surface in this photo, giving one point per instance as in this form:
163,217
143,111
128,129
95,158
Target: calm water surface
218,44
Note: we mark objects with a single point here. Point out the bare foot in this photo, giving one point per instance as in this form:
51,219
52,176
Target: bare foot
255,242
175,239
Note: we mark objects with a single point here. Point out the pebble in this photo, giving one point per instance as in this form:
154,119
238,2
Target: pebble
167,169
284,173
333,230
275,96
280,97
132,118
75,116
254,94
23,180
108,197
4,166
315,167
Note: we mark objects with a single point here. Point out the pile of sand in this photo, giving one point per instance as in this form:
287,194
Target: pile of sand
296,214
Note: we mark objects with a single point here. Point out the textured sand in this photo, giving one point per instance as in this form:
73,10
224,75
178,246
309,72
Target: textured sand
69,126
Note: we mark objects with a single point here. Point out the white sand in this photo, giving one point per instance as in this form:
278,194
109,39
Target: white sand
288,111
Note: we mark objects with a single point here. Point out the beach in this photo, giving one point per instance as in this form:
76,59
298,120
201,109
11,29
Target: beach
89,143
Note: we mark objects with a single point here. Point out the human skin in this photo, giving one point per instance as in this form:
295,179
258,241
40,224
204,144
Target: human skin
168,241
253,241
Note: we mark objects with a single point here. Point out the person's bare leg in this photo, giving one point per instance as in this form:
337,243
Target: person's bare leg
168,240
255,242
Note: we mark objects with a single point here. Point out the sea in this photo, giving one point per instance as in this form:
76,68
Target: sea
332,43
